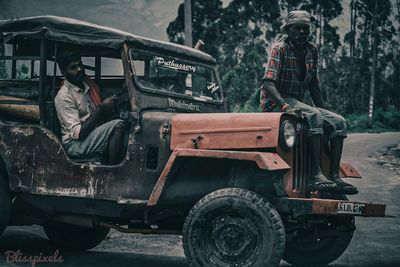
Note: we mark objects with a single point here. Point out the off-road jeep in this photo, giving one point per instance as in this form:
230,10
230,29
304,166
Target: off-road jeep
233,184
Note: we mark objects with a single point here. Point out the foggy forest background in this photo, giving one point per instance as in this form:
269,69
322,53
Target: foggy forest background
239,34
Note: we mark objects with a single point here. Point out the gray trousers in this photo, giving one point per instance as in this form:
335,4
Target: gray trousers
95,144
319,120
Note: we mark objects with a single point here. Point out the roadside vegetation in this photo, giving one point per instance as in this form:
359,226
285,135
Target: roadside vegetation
240,33
384,120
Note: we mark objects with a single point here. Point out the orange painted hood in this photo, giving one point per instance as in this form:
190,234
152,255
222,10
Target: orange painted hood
225,130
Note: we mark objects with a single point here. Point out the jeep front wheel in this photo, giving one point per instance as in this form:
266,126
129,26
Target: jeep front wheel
5,203
73,237
233,227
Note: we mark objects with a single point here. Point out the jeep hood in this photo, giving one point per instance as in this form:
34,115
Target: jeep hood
225,130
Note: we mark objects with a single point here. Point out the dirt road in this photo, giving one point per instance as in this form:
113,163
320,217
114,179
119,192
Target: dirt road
375,243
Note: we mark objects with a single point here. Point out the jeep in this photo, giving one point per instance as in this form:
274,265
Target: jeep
232,184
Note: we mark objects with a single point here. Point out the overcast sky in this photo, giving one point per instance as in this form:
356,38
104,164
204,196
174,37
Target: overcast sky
149,18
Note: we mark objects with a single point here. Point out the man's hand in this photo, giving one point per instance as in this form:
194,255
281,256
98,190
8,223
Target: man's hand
294,112
287,109
108,103
104,108
290,111
270,88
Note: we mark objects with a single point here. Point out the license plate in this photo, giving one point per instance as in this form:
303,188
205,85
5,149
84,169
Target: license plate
350,208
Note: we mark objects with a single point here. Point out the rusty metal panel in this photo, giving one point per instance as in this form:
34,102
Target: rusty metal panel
347,170
324,206
155,195
37,164
225,130
17,148
266,161
374,210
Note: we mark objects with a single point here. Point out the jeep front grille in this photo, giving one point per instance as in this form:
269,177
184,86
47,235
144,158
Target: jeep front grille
301,160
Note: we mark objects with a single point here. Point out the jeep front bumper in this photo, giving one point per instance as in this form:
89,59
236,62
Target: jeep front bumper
305,206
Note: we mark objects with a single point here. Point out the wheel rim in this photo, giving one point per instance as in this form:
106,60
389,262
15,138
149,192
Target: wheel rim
232,238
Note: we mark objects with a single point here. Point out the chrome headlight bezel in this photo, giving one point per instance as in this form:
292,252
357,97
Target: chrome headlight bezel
287,134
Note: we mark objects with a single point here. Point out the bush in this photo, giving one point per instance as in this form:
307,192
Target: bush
383,120
390,117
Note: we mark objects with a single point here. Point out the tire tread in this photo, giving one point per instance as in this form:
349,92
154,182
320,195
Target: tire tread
254,199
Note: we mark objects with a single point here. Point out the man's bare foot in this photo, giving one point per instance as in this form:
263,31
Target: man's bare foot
321,183
342,186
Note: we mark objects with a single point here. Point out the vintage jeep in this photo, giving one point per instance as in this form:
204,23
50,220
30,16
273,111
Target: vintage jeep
233,184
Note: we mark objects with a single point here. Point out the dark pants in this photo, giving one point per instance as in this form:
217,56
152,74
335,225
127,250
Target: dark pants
95,143
319,120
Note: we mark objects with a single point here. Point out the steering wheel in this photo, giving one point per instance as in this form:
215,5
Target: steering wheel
121,104
123,97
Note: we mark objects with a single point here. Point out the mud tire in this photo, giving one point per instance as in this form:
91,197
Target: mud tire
5,203
74,238
233,227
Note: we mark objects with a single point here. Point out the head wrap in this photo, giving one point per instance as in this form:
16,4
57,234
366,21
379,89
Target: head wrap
67,56
297,17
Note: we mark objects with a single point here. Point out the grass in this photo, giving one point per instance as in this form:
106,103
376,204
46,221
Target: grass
383,121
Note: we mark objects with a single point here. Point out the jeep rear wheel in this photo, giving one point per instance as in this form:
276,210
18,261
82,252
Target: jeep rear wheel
233,227
73,237
5,203
319,247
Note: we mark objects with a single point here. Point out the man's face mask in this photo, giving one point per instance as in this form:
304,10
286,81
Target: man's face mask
299,33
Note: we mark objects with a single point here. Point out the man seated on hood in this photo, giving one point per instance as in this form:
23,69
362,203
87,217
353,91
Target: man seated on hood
291,71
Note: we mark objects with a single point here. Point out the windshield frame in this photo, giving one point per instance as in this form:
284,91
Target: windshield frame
142,88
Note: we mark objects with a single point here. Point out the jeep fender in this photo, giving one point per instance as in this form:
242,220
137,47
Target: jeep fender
264,160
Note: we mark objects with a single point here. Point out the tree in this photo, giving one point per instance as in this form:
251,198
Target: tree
206,16
382,34
240,34
236,36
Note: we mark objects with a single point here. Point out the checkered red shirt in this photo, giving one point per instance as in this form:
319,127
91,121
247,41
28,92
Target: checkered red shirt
282,69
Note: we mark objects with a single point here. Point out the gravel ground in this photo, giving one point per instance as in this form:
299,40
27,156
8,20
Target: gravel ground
389,159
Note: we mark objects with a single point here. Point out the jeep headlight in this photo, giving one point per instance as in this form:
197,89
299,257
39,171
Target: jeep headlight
288,134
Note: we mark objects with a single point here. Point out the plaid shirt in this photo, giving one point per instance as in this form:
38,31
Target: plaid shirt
282,69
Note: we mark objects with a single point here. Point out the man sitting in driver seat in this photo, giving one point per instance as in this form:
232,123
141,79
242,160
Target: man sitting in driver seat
82,113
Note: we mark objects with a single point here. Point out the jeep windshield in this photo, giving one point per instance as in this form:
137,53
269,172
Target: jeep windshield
173,76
